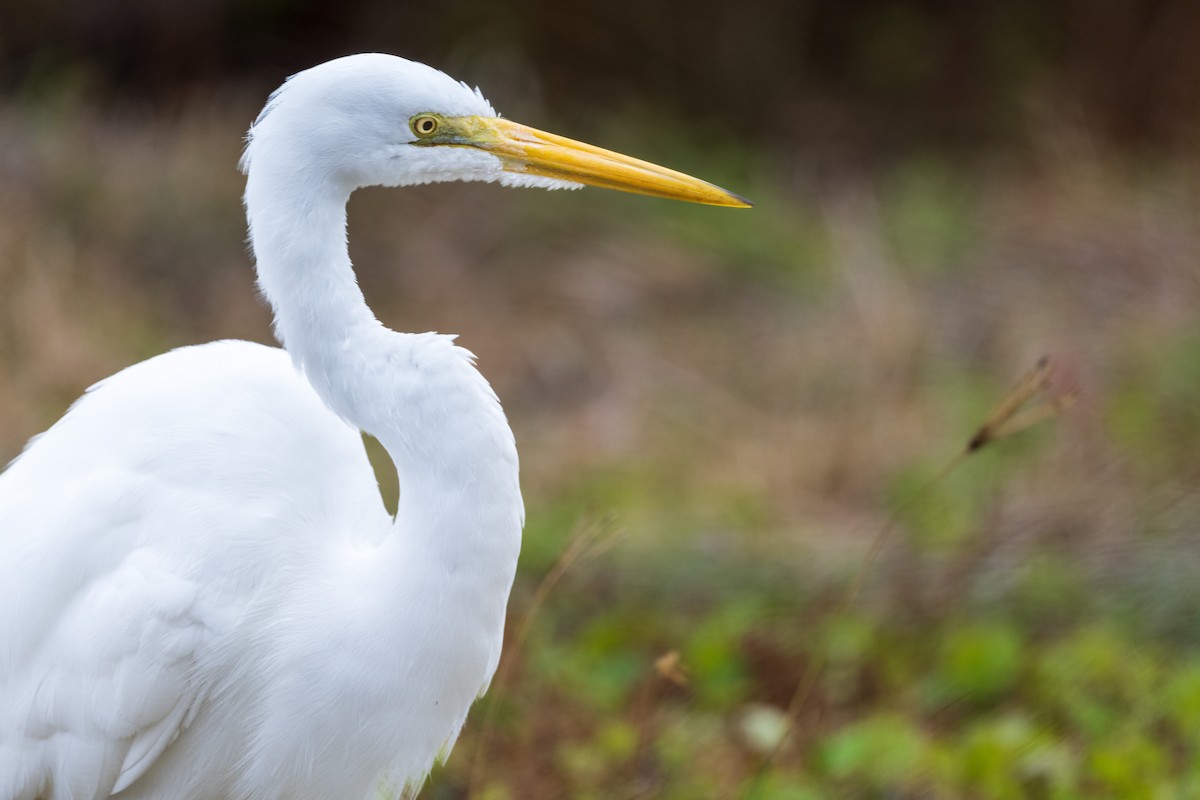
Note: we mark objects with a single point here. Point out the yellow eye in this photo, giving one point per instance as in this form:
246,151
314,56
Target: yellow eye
424,125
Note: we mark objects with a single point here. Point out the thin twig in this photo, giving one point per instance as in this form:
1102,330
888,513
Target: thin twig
590,538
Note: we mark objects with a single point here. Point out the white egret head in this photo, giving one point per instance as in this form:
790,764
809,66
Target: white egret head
373,119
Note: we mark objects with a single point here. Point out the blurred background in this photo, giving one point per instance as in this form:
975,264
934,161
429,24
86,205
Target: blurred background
720,411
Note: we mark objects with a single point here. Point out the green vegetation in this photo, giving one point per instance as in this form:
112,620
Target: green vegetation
736,403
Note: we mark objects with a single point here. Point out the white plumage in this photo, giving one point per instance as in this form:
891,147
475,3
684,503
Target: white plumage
201,594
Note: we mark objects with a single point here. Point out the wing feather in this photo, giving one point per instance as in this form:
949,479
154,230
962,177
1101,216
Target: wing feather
136,535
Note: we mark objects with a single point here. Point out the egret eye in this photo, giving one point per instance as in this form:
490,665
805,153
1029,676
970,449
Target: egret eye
425,125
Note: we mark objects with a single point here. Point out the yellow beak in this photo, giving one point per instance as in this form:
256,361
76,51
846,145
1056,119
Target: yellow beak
527,150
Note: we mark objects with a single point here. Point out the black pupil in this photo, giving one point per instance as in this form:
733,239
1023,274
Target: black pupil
426,126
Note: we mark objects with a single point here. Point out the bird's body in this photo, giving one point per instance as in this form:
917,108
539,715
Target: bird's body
192,578
233,595
201,594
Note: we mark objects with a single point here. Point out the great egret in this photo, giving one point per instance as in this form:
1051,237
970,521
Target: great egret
201,594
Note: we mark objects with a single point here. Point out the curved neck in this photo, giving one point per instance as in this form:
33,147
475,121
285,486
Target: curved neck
417,393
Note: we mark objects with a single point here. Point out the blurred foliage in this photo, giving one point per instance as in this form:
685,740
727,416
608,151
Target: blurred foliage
863,75
945,192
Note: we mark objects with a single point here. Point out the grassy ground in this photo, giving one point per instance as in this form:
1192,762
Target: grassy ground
735,404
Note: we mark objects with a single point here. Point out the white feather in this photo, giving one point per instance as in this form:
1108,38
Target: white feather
201,595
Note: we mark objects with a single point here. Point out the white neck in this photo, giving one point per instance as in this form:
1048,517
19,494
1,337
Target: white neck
417,393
